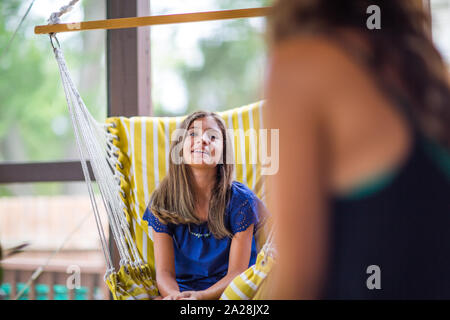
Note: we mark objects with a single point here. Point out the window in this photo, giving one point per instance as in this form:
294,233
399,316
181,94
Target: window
440,11
211,65
34,122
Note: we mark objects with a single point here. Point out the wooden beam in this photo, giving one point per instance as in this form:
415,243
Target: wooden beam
128,62
140,21
42,172
128,71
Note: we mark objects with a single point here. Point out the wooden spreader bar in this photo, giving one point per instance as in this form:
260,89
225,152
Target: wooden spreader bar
123,23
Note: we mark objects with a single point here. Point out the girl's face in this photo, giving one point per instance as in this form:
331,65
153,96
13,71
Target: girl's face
203,145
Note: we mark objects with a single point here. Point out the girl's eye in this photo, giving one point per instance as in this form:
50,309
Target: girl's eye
193,134
213,137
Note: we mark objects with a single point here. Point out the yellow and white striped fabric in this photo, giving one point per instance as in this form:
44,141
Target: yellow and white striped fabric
132,283
144,143
246,285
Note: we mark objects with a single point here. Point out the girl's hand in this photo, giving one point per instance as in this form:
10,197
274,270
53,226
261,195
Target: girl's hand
190,295
172,296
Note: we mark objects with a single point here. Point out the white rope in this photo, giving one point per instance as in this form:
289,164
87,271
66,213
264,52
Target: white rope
96,145
87,177
54,17
80,133
269,247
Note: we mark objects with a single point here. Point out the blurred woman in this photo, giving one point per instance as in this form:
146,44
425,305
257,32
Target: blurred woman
362,197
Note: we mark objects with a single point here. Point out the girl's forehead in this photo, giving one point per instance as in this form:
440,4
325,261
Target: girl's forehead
205,123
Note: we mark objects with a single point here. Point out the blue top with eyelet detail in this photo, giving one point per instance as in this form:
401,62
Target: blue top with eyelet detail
201,260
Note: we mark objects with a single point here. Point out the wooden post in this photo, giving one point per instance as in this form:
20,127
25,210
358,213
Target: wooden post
128,54
128,70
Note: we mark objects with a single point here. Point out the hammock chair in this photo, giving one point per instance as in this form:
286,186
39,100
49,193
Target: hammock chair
129,157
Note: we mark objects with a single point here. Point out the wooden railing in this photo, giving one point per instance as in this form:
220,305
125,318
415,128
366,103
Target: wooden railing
91,277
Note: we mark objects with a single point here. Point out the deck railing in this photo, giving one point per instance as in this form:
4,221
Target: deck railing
63,280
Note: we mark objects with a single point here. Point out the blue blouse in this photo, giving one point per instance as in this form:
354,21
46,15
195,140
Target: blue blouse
200,259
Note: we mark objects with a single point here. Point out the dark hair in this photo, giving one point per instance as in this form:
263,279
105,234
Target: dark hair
402,49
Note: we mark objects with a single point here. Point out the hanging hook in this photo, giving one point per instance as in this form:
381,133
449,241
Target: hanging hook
54,39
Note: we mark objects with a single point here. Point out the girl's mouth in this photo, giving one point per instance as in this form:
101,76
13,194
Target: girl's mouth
200,151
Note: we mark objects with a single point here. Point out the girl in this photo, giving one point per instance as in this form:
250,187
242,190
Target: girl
361,199
204,222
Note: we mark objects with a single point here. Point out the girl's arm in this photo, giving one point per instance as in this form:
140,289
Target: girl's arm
165,265
240,252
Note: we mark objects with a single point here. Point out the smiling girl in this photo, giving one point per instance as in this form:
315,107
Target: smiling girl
203,222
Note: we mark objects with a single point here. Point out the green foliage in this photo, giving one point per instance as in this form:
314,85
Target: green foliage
27,92
34,121
232,70
9,253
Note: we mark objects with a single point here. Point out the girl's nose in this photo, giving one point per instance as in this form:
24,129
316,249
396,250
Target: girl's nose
205,139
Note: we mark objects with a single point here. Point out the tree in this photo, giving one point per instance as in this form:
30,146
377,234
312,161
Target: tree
232,70
34,121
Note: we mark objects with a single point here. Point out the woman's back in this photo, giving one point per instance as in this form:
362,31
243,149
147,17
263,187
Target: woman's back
370,139
393,242
389,236
389,233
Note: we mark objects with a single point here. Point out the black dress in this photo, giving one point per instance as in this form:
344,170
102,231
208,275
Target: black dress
397,238
402,231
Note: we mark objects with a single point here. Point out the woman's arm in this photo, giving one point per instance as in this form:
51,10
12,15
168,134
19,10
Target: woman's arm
296,193
165,265
239,258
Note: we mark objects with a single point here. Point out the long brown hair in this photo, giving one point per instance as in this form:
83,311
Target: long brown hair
174,199
402,50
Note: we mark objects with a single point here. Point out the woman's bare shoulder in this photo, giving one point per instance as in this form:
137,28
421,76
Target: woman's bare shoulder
310,54
312,67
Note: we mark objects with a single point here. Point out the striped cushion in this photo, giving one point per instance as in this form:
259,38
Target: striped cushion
245,286
144,149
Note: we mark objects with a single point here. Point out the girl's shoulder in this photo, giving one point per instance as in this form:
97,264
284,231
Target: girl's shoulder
243,208
242,196
240,191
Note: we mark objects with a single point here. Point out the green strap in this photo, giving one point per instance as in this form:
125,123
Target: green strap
439,154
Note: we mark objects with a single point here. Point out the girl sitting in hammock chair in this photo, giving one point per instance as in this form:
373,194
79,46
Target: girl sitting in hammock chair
204,222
